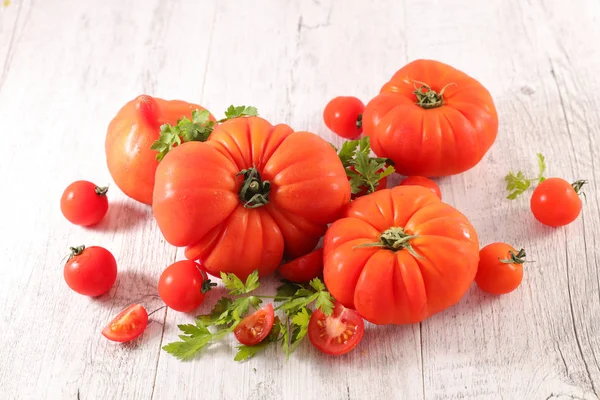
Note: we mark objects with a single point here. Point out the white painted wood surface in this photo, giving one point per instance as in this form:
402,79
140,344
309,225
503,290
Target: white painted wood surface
67,66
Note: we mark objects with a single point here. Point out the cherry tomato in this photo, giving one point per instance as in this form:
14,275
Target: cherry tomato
556,202
343,116
500,268
305,268
422,181
127,325
90,271
338,333
84,203
182,286
255,327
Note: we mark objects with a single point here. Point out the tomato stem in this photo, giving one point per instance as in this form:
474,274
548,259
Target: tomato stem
101,190
359,121
427,97
577,185
254,191
518,258
158,309
395,239
75,251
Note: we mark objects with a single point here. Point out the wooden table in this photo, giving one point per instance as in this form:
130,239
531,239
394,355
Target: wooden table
67,66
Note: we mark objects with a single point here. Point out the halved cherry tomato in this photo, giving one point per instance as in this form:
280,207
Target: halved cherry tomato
422,181
255,327
83,203
343,116
305,268
127,325
500,268
338,333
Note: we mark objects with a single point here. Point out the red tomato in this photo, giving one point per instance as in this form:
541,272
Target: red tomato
338,333
131,161
248,194
343,116
305,268
255,327
127,325
500,268
90,271
431,120
556,202
84,203
400,255
182,286
422,181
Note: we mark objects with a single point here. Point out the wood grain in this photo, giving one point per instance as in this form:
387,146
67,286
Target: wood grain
65,69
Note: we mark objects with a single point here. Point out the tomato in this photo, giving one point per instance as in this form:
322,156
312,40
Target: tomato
84,203
305,268
343,116
255,327
90,271
400,255
555,202
131,161
247,194
422,181
127,325
338,333
431,120
500,268
182,286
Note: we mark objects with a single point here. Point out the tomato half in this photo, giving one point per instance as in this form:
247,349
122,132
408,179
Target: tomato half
500,268
90,271
555,202
422,181
343,116
337,333
431,120
131,162
181,286
255,327
305,268
83,203
127,325
400,255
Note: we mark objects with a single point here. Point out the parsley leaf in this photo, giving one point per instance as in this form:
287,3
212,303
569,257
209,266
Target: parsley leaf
300,322
219,313
517,183
235,285
364,172
246,352
240,111
324,302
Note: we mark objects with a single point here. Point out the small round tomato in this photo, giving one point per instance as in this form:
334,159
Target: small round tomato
127,325
500,268
182,286
84,203
255,327
343,115
422,181
555,202
366,190
305,268
337,333
90,271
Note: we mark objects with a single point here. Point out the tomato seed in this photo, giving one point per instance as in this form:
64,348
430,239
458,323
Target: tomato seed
320,323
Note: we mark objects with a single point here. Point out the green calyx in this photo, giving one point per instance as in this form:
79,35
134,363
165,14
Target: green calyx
427,97
75,251
518,258
577,185
395,239
254,191
101,191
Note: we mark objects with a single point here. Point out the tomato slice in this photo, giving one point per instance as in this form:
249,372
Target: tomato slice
128,325
255,327
305,268
338,333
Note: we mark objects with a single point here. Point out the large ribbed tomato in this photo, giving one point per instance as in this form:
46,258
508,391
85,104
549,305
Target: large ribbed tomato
400,255
253,190
431,120
131,162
